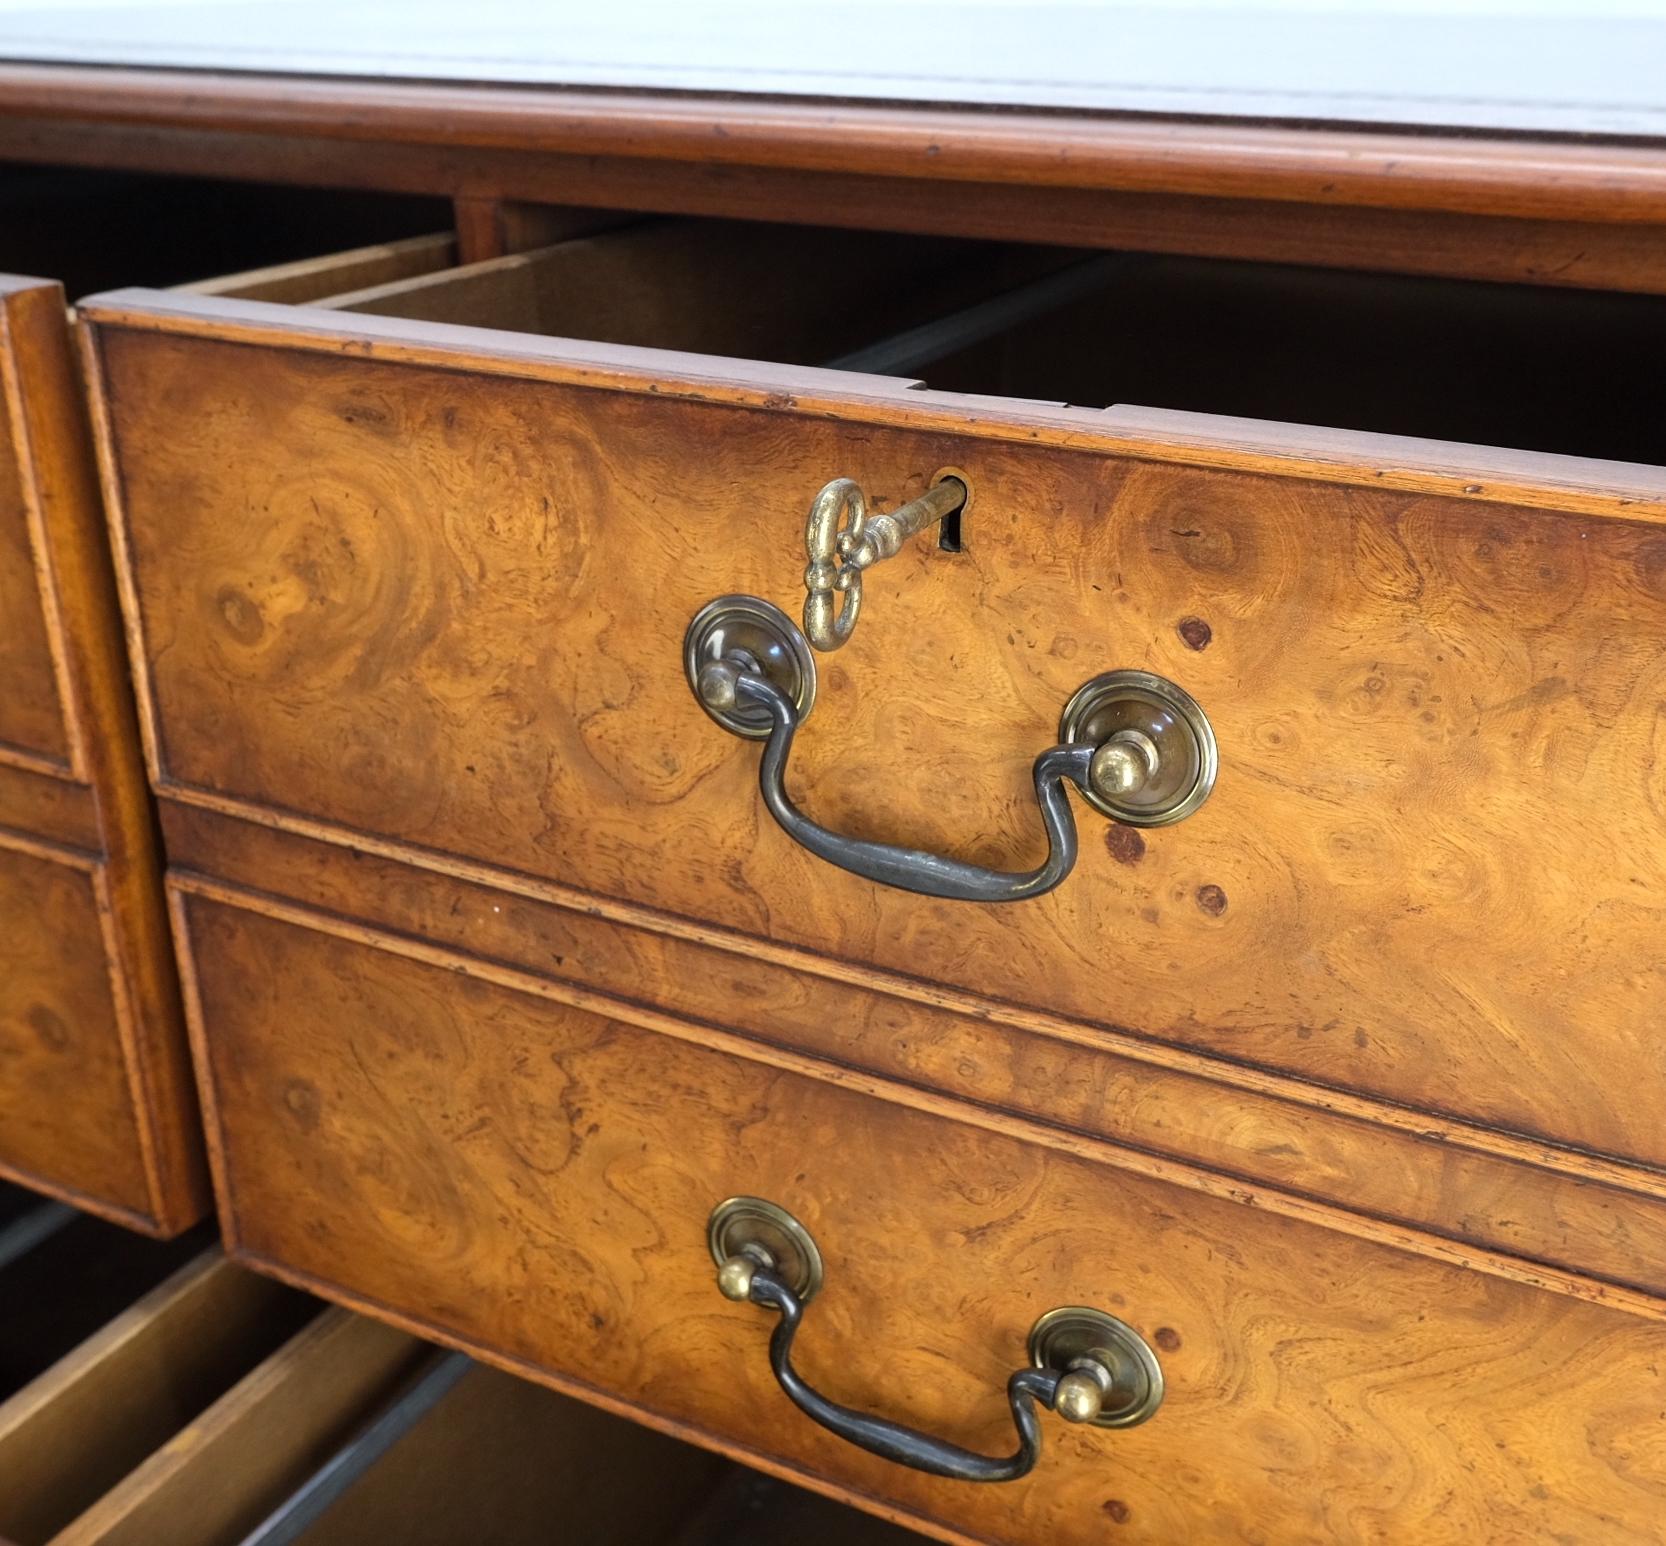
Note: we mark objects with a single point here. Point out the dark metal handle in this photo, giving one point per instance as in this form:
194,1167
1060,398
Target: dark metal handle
893,1441
911,869
1137,747
1085,1365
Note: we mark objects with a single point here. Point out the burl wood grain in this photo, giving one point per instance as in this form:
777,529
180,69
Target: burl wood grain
1466,1194
444,606
95,1095
65,1106
32,723
533,1182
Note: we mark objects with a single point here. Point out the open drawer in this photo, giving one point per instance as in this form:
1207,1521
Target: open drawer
109,1346
414,595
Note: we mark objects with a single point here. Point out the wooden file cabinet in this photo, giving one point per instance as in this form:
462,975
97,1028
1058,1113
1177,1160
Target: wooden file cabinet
1335,1093
1317,1130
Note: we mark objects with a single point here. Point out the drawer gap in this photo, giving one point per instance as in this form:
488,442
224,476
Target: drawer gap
93,229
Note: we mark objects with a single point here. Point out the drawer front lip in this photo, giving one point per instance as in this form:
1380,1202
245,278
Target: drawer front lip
45,808
1479,474
1499,1205
1323,775
511,1176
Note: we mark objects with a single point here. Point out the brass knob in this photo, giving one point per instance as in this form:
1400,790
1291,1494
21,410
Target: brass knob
1081,1394
1154,756
1124,765
734,1278
734,635
716,684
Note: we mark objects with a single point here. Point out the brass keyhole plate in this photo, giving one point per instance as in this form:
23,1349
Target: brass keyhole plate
1176,726
769,639
1063,1337
743,1226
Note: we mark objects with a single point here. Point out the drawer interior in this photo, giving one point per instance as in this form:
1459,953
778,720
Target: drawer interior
224,1471
791,294
498,1459
76,1430
64,1274
224,1409
94,229
1532,368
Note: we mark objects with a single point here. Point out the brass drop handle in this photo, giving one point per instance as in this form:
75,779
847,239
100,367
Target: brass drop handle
728,683
1085,1365
1135,746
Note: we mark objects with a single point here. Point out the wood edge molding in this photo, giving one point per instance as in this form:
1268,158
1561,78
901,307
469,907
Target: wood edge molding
1095,1150
208,1103
38,847
162,1217
57,811
1539,480
109,475
113,1213
1578,1165
1412,1179
1520,175
178,1196
141,1088
27,761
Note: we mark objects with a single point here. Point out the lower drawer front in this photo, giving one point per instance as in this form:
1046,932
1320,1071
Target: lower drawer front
67,1118
454,1146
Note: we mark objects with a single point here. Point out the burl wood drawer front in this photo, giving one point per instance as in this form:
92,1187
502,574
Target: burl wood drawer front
425,588
454,1146
65,1103
96,1102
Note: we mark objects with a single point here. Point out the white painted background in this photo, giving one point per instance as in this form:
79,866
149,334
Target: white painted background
1519,64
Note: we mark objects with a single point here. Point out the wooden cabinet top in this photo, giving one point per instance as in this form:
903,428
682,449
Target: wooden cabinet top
1529,112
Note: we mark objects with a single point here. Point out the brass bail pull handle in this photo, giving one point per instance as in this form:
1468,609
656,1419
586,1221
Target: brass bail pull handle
1135,746
840,553
908,869
1084,1365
